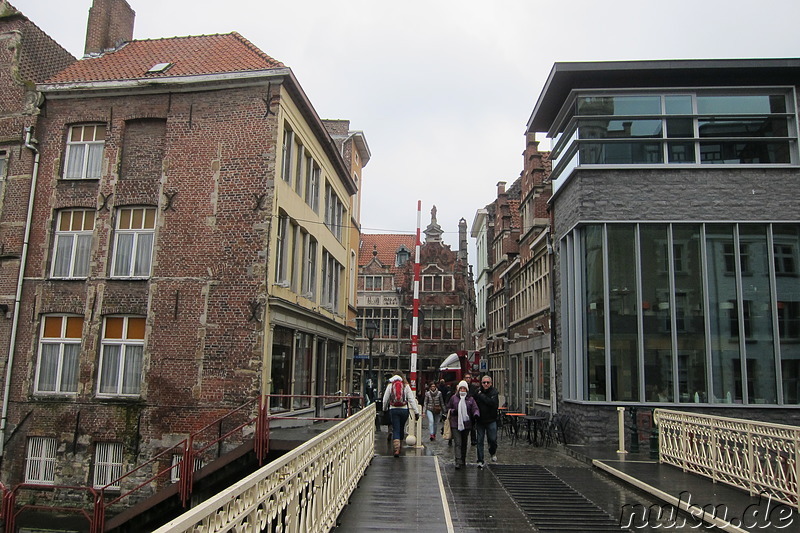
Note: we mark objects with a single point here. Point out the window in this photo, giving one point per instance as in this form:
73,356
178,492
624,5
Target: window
331,274
40,463
133,246
85,151
175,470
107,465
59,351
441,323
543,375
387,320
300,166
73,244
310,274
705,127
373,283
3,164
122,353
789,320
288,145
334,212
437,283
402,256
785,262
312,186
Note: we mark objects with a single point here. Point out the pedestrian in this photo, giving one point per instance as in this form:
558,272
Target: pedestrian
398,399
463,411
488,400
472,390
444,389
433,406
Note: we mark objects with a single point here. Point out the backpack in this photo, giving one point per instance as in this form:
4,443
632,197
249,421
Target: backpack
396,396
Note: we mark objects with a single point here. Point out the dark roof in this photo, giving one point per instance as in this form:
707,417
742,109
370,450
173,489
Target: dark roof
564,77
187,56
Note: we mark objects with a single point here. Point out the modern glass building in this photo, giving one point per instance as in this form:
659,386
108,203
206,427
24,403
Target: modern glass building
677,229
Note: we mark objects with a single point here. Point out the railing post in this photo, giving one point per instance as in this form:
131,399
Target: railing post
98,513
751,458
262,432
187,471
715,456
9,504
621,429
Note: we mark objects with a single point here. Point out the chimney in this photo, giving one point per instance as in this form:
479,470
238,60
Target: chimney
110,25
462,240
501,187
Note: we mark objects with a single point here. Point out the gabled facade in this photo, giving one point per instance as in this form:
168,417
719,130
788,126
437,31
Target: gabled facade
386,297
191,248
676,228
512,237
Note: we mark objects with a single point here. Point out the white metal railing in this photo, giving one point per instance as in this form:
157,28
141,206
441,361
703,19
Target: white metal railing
756,456
302,491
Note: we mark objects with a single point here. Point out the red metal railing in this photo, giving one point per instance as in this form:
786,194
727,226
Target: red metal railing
189,449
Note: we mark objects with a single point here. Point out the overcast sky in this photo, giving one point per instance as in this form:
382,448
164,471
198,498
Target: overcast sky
443,89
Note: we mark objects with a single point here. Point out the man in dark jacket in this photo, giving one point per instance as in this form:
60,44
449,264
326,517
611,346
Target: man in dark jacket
488,401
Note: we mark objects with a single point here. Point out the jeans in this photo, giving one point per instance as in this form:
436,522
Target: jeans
431,422
490,430
399,417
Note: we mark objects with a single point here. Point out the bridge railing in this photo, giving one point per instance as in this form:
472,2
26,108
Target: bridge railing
758,457
302,491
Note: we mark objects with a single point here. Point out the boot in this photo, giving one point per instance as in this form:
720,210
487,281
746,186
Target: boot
396,444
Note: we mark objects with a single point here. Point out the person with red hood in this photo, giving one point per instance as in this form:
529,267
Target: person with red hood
398,398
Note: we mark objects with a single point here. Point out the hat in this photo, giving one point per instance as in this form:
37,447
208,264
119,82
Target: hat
462,383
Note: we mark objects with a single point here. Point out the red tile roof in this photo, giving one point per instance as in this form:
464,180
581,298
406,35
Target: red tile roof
386,245
189,56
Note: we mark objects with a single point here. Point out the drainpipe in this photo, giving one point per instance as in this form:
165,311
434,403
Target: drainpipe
29,143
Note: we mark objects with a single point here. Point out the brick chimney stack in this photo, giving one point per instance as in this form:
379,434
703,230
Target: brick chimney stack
110,25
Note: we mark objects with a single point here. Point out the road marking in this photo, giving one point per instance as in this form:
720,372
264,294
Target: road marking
447,518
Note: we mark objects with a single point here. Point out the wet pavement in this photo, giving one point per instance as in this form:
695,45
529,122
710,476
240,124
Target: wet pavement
554,488
480,500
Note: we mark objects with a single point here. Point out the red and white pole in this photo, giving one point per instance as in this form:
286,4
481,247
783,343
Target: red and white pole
415,315
416,425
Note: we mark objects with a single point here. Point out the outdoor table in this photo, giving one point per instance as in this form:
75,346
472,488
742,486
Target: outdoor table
515,422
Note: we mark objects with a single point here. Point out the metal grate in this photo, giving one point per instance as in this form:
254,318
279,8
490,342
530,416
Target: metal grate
550,504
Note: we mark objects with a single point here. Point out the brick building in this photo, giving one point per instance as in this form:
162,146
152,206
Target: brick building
676,228
512,237
192,244
386,297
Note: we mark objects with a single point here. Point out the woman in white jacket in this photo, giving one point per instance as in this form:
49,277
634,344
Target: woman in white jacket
398,399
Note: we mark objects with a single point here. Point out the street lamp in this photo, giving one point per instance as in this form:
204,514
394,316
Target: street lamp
370,329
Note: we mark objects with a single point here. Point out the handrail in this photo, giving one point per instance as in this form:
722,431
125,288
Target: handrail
759,457
185,465
304,490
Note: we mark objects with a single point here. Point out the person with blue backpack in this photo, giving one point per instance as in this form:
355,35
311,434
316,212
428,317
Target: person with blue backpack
398,399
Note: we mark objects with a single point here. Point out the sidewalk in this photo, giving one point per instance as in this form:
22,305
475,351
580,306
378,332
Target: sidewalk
631,489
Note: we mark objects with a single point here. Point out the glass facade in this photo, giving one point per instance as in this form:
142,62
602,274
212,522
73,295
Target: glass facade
683,313
691,127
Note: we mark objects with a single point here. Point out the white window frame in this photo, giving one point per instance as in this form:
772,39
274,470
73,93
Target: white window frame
3,164
84,157
331,276
61,342
312,186
40,461
287,149
108,462
72,246
310,270
141,235
126,355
